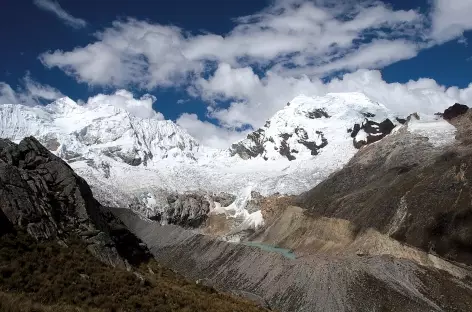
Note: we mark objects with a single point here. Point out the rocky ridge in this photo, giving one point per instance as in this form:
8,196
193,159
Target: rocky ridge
42,195
407,188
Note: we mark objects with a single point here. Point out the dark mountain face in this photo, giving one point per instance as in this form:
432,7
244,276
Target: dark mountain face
375,131
408,189
454,111
258,141
42,195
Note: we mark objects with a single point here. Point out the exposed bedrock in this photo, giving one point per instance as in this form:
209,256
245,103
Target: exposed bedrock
41,194
455,111
187,210
374,131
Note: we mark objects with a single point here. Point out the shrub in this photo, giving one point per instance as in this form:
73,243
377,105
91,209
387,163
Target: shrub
58,278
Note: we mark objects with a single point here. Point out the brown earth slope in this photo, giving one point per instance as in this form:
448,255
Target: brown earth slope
404,187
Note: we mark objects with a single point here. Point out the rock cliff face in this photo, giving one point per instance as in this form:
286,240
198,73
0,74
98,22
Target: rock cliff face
41,194
187,210
454,111
374,131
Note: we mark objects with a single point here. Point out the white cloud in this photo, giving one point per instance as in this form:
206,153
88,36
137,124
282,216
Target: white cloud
7,94
129,53
259,99
182,101
209,134
56,9
376,54
29,93
463,40
123,99
450,19
310,35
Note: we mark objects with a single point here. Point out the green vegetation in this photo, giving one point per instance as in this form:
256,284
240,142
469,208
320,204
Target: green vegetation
47,276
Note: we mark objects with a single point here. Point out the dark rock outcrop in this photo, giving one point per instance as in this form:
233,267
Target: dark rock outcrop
257,137
285,149
41,194
255,144
375,131
313,146
187,210
454,111
317,113
401,120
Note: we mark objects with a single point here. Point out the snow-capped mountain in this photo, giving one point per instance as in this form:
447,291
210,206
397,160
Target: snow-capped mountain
74,132
308,126
135,161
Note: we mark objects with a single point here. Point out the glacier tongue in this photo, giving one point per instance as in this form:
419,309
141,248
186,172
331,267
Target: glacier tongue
125,157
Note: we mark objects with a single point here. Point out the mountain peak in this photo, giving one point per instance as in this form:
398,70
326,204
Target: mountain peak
307,125
65,102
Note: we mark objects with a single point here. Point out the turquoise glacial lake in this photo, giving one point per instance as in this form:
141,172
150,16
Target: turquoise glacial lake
287,253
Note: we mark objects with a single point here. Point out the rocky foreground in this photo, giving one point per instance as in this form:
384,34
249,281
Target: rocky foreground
60,250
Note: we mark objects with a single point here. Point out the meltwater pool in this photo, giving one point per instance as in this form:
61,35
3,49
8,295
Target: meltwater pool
287,253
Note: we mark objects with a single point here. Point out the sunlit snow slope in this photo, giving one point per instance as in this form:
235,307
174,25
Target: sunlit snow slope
126,158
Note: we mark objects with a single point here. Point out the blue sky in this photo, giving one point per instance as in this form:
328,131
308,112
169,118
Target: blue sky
220,68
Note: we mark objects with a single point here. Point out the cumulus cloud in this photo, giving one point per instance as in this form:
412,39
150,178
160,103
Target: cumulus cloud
450,19
129,53
30,92
208,133
256,100
56,9
315,36
377,54
123,99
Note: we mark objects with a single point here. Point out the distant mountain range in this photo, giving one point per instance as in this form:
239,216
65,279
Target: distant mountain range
135,162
